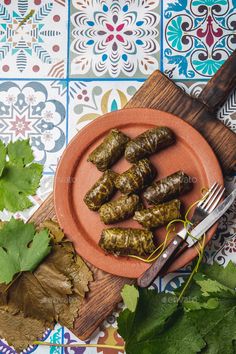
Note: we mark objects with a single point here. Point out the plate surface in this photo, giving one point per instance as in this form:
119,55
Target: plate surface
75,176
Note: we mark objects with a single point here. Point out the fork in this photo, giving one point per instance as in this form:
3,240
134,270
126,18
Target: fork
202,210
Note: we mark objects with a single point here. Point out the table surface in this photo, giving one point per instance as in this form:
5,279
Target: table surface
73,61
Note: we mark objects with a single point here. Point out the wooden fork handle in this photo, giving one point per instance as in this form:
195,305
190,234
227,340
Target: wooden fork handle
151,273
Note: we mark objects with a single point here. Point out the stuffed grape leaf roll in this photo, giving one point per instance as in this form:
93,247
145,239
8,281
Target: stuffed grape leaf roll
159,215
136,178
168,188
148,143
121,241
120,209
102,191
109,151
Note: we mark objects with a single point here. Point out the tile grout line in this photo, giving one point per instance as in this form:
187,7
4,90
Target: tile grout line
68,74
161,35
68,43
86,79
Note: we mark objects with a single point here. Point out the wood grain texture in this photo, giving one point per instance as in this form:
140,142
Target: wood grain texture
160,93
220,86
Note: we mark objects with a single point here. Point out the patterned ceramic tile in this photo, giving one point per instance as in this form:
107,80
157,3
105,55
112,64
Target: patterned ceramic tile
173,281
35,110
108,39
228,113
91,99
198,35
222,248
55,336
36,47
114,38
193,88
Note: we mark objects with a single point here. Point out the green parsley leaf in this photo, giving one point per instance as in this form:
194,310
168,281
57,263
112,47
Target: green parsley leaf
3,152
130,296
21,248
20,177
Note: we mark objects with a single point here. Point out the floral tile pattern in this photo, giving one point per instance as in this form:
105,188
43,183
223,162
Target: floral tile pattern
64,63
35,110
199,35
114,38
89,100
36,47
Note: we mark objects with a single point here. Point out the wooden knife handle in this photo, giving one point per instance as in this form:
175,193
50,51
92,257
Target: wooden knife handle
151,273
217,91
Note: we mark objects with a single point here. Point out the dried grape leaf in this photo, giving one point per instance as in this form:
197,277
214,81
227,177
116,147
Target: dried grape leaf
21,249
69,312
77,271
20,331
20,177
52,293
55,231
27,295
46,292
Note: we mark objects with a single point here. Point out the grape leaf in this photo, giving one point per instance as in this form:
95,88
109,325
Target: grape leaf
20,152
21,248
204,322
20,177
214,283
158,327
225,276
20,331
3,152
130,296
211,287
52,293
220,330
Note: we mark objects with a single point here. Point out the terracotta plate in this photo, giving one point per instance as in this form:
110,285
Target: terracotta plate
75,176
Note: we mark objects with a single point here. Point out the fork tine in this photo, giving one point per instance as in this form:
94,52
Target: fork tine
208,193
214,196
217,201
211,195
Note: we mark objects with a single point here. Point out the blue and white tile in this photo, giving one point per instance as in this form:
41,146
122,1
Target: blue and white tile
37,46
198,36
34,110
173,281
90,99
114,38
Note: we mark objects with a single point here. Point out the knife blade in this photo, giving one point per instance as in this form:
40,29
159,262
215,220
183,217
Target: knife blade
210,220
151,273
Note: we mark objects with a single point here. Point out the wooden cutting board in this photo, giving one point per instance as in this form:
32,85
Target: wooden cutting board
160,93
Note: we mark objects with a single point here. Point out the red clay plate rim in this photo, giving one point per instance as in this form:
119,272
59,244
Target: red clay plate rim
62,199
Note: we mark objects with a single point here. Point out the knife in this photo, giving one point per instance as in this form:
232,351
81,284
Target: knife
151,273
